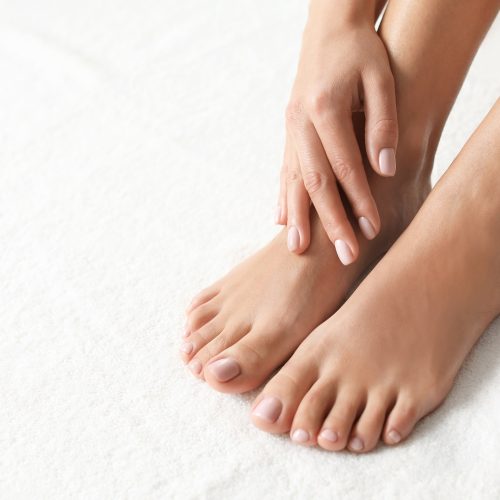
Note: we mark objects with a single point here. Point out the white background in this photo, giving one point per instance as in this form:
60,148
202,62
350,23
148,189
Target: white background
140,143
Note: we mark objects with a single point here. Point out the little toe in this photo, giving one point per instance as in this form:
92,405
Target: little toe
200,316
401,420
202,297
366,433
275,407
336,428
311,413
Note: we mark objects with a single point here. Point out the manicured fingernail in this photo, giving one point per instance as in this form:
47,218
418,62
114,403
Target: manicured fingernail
387,161
278,215
344,252
187,347
224,369
268,409
394,436
293,239
356,444
300,436
195,366
329,435
367,228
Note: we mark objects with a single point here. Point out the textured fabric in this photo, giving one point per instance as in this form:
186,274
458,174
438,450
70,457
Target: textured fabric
140,148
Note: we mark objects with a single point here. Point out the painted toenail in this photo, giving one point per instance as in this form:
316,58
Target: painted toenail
186,333
268,409
367,228
329,435
187,347
344,252
293,239
356,444
224,369
394,436
300,436
387,161
195,366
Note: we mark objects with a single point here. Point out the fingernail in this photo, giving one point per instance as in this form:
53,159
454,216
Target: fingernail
367,228
224,369
300,436
329,435
278,215
187,347
356,444
344,252
293,239
268,409
195,366
394,437
387,161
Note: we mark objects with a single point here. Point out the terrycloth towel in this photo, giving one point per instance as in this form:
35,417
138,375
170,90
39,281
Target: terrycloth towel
140,143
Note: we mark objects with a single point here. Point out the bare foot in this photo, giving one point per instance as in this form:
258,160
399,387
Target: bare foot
247,324
390,354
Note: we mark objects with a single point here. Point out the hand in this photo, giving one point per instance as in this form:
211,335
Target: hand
342,69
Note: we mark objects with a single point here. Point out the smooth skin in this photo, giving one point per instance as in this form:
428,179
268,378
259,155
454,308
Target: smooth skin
390,355
343,68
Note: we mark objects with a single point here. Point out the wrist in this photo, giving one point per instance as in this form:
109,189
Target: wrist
339,13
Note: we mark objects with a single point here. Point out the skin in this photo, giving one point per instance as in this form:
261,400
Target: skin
258,314
343,68
390,355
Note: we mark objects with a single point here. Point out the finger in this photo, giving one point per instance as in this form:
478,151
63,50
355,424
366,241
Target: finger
381,129
299,232
335,129
321,185
281,209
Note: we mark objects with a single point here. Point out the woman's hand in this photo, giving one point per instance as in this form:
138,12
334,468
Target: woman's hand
343,68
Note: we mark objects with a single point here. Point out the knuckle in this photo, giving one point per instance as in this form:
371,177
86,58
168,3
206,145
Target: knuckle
341,169
293,112
292,176
386,126
319,102
314,181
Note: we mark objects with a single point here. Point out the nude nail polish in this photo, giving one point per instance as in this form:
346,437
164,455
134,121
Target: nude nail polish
356,444
187,347
387,161
344,252
195,366
394,436
329,435
268,409
367,228
224,369
293,239
300,436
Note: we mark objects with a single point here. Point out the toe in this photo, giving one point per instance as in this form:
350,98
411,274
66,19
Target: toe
202,297
201,337
402,419
274,409
312,412
366,433
200,316
257,354
337,426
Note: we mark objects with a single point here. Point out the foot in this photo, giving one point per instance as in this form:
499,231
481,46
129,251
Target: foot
390,354
246,325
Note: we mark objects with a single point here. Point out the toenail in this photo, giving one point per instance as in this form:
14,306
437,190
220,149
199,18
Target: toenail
187,347
224,369
186,333
344,252
268,409
356,444
367,228
394,436
300,436
329,435
195,366
387,161
293,239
